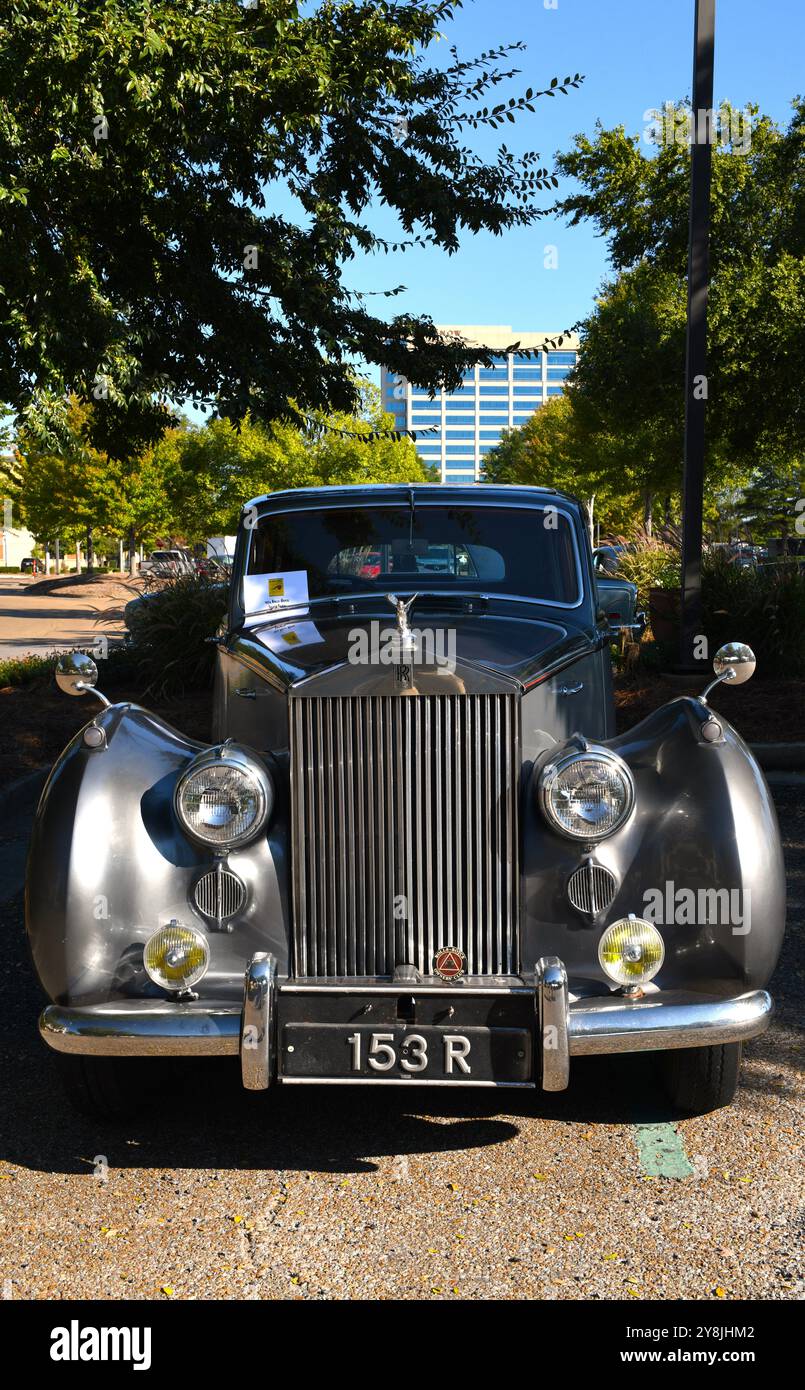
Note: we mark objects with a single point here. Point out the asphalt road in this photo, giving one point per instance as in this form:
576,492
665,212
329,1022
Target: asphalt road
334,1193
42,623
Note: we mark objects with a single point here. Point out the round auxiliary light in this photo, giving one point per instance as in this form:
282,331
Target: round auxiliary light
224,798
587,795
176,957
631,951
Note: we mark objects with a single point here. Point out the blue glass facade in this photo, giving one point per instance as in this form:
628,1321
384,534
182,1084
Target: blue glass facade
456,431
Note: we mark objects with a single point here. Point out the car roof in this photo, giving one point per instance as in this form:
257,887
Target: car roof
484,494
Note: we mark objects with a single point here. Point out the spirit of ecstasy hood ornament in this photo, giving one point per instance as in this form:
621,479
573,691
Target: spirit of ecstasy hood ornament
406,638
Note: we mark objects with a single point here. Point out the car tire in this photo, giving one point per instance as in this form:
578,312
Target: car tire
700,1079
112,1088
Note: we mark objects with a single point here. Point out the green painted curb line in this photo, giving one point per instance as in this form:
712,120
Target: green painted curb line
662,1152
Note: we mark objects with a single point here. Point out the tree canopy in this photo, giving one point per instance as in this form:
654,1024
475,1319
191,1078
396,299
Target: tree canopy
632,357
183,184
193,483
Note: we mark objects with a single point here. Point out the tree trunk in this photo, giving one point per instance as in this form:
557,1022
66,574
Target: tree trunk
132,570
590,515
90,552
648,503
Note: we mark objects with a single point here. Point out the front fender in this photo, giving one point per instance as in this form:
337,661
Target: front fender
109,864
703,820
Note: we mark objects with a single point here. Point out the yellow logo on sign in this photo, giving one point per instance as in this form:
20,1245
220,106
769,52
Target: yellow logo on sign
276,588
292,638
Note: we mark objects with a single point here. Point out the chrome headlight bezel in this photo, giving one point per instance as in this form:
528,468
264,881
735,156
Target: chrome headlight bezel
553,770
244,763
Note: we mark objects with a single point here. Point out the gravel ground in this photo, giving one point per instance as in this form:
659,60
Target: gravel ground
338,1193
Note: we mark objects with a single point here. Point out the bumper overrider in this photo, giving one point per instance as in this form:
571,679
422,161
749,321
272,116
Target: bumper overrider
480,1032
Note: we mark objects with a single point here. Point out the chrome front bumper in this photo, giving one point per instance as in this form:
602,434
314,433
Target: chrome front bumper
567,1027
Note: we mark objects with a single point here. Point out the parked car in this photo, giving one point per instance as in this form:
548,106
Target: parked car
416,850
31,565
165,564
617,596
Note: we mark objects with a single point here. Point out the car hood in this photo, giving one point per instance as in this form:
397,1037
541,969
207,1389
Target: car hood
513,644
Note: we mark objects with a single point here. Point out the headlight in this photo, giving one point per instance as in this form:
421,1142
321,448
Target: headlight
176,957
225,797
587,795
631,951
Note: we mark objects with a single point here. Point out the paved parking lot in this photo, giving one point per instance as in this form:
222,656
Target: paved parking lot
42,623
336,1193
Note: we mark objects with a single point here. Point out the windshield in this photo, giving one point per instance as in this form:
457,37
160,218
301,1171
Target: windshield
529,552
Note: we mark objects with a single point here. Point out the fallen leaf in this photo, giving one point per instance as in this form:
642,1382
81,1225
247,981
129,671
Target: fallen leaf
167,1289
720,1293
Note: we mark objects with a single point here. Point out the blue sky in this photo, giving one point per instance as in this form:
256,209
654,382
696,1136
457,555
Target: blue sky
635,55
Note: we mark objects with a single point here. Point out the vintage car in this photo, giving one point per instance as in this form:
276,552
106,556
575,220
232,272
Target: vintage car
416,851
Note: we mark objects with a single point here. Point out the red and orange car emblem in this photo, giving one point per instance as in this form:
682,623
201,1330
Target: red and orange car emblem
449,963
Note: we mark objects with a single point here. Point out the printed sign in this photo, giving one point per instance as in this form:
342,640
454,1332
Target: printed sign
262,592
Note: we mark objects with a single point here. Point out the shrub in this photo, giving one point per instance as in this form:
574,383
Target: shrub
24,670
650,564
764,607
169,630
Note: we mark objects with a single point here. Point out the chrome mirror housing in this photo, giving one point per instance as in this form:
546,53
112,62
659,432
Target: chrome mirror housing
735,663
76,674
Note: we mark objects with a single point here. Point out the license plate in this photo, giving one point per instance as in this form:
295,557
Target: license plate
335,1051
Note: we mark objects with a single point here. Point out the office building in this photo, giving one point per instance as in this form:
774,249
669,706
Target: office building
456,430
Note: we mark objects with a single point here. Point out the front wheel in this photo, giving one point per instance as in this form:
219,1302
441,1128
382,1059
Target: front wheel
699,1079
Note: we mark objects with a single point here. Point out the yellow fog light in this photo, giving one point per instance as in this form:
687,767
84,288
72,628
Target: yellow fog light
631,951
176,957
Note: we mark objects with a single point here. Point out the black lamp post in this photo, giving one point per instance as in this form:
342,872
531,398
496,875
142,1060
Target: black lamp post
696,338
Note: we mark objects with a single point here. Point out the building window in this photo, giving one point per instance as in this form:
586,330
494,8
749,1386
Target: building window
528,374
561,359
452,434
558,373
461,450
494,391
494,419
555,391
530,361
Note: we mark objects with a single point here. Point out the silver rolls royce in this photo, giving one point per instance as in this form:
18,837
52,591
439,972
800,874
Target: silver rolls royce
416,852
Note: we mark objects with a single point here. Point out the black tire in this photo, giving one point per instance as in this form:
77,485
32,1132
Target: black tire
699,1079
111,1088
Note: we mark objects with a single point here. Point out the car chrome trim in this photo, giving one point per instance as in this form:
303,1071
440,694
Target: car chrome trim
143,1028
665,1020
550,979
257,1049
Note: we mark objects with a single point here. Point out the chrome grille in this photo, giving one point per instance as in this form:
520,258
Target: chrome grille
219,894
591,888
405,832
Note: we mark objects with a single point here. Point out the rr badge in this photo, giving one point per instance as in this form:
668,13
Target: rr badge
449,963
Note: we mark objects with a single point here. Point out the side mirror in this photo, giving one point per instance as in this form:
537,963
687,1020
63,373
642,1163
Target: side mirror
733,663
76,673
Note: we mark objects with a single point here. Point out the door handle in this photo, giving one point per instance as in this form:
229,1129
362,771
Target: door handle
246,692
570,689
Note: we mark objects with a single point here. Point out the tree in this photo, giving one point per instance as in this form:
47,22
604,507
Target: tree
554,449
212,470
756,301
184,182
69,493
